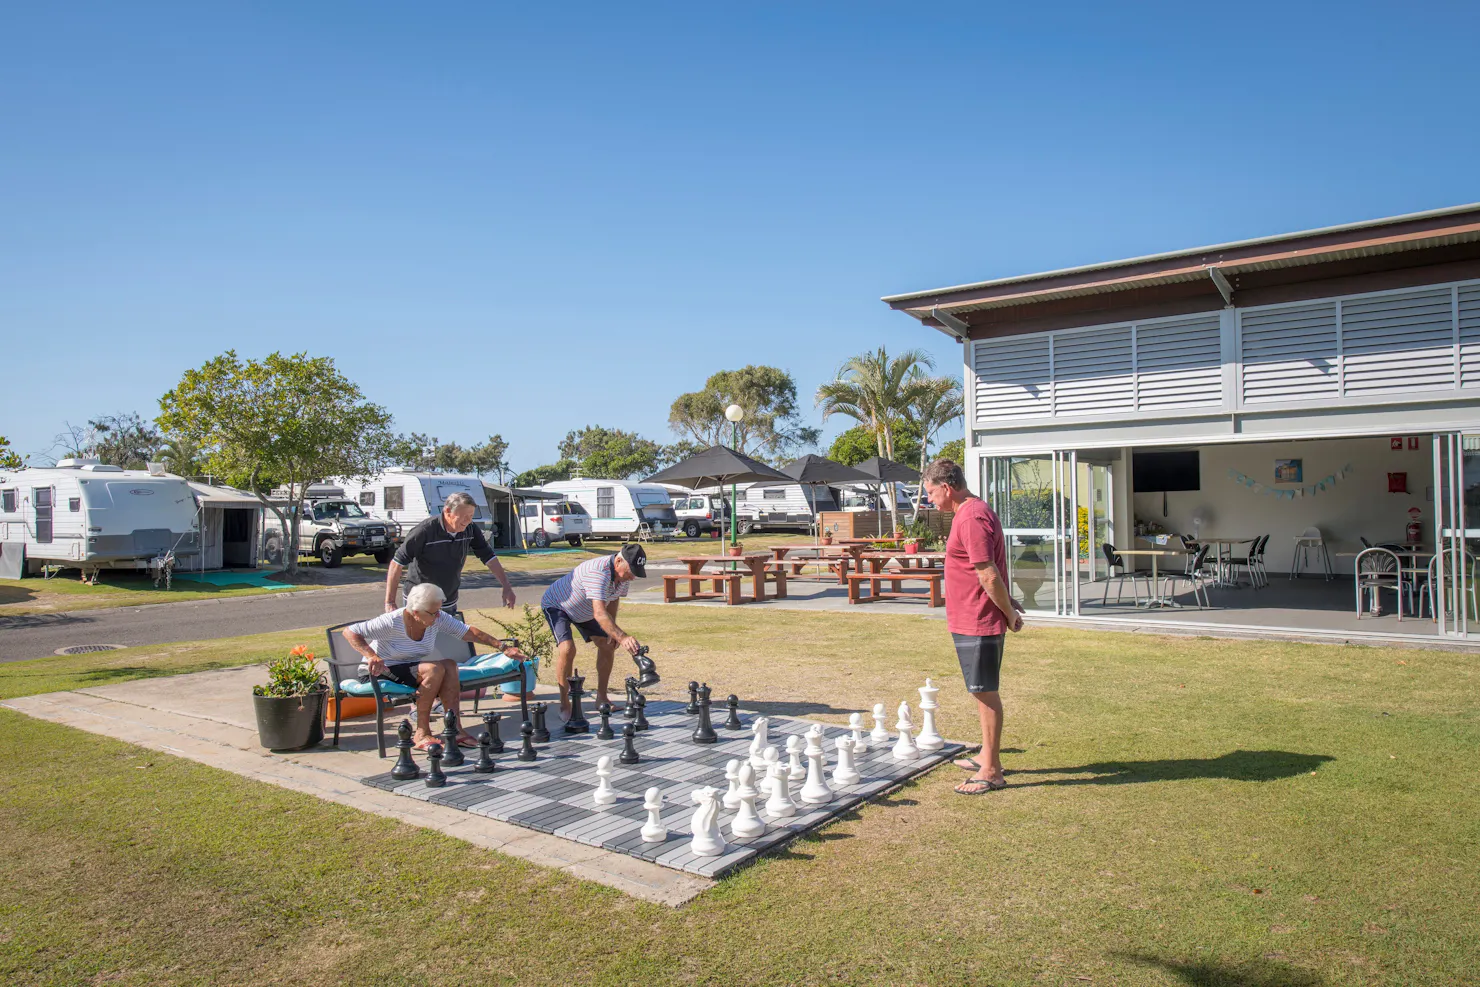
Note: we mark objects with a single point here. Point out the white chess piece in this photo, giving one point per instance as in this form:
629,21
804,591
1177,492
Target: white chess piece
779,804
653,831
880,733
747,822
929,739
708,841
796,771
815,791
758,731
904,747
732,775
604,794
844,773
771,759
855,723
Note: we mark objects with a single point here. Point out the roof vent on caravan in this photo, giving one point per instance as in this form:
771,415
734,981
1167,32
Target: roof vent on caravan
96,467
76,462
155,469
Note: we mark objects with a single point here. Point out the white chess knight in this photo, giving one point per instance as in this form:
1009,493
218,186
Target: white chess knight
747,822
758,741
770,760
855,723
708,840
653,831
732,776
780,803
604,794
796,771
880,733
929,739
904,747
844,772
815,790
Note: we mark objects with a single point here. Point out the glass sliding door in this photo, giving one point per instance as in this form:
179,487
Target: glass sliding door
1456,542
1022,490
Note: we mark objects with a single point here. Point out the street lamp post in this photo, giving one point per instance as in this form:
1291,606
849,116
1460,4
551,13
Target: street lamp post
734,413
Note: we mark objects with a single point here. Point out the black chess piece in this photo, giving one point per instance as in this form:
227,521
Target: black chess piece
605,733
693,706
485,765
704,734
435,777
649,671
641,722
732,722
541,735
577,722
452,755
629,747
405,768
631,709
527,752
495,741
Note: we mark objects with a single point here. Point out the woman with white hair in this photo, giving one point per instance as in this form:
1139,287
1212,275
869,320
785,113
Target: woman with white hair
401,646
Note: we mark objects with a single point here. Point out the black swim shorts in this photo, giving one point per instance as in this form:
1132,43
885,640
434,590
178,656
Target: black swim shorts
981,660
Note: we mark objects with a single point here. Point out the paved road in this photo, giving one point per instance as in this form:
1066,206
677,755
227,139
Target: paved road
40,635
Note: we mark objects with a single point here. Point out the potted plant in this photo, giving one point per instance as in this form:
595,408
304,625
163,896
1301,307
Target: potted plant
827,536
737,549
911,546
290,707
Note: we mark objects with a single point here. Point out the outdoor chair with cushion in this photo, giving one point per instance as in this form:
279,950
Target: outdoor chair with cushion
1311,542
1196,577
1378,569
1116,561
349,676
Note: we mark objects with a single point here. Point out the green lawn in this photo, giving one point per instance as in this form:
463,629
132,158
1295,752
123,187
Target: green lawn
19,597
1182,812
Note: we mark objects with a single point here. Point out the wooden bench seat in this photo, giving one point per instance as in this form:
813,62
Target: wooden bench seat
730,581
933,591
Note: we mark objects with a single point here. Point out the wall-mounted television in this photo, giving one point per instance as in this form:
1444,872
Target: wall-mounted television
1156,472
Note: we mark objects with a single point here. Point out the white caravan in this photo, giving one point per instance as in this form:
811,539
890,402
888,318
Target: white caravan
782,507
409,497
83,514
619,508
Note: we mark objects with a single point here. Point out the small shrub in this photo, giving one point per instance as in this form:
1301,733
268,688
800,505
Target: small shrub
531,631
290,676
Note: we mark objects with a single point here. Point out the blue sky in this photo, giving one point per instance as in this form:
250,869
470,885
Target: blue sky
526,218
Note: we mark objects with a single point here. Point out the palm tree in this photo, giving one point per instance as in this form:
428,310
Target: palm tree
876,390
936,405
181,456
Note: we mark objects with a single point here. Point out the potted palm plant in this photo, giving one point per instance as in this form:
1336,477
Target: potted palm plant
290,707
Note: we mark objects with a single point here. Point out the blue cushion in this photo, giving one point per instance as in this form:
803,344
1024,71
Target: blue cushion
354,687
494,663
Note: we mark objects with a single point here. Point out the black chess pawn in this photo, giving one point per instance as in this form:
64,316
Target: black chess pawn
435,777
485,765
541,735
629,747
693,706
631,709
495,741
732,722
649,671
704,733
641,722
405,768
577,722
527,752
453,755
605,733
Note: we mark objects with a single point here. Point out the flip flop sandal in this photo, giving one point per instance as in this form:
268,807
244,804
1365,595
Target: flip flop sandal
425,745
983,786
969,765
467,743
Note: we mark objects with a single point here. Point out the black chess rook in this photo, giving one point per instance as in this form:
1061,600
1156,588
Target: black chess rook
541,734
629,745
452,756
605,733
495,741
435,777
704,733
405,768
732,722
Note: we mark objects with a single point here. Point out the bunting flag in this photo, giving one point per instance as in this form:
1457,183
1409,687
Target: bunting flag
1286,493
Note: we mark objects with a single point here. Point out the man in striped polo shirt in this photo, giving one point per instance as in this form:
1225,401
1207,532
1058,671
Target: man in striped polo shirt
586,599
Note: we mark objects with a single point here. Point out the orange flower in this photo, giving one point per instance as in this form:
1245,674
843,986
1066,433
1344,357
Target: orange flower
298,652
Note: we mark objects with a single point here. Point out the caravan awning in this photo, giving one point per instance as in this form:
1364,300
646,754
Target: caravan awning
223,496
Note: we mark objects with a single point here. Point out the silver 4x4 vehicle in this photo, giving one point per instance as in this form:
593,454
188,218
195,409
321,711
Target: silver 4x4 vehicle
332,529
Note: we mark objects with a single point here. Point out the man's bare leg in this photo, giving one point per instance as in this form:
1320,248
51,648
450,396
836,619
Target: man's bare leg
989,710
565,664
606,648
430,674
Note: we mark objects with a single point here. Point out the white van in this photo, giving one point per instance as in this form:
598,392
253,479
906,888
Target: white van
548,521
408,497
619,508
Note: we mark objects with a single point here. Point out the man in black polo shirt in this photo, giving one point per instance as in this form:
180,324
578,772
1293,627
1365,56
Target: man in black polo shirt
436,549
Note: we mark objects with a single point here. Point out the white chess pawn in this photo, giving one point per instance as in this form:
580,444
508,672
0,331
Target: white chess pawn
796,771
604,794
880,733
815,791
779,804
732,775
855,723
904,747
770,760
758,733
747,822
929,739
653,831
844,773
708,840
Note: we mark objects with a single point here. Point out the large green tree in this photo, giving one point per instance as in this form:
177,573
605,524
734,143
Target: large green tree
9,459
287,420
610,453
546,474
858,443
182,456
935,405
772,427
124,440
954,450
430,454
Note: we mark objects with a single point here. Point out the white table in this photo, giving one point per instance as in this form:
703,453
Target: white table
1156,599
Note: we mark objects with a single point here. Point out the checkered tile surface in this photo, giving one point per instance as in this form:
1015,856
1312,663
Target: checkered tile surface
553,794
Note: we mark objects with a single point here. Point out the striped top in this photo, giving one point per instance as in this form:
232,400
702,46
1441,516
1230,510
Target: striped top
594,579
388,638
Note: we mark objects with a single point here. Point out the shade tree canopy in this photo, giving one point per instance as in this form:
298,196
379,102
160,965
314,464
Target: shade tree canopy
772,428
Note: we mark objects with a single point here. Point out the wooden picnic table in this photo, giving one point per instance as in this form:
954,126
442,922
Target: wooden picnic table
835,554
926,567
731,566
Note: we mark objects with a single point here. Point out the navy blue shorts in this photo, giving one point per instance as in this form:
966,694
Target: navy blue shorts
403,672
981,660
560,625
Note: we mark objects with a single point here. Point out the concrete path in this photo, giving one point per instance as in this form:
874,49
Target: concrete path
207,717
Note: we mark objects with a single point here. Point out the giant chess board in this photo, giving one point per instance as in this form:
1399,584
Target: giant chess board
554,793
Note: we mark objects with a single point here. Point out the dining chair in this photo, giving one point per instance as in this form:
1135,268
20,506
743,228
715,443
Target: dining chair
1196,577
1378,569
1116,561
1248,562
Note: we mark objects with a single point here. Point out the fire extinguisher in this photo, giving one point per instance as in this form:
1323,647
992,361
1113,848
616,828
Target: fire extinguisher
1415,529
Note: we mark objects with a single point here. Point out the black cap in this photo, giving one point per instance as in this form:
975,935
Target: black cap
636,558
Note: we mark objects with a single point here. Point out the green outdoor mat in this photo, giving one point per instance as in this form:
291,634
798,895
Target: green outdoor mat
238,577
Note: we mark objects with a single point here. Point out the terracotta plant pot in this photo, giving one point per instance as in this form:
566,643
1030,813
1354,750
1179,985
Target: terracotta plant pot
912,548
737,550
827,539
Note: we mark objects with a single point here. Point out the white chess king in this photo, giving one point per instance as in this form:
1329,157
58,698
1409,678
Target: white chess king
929,739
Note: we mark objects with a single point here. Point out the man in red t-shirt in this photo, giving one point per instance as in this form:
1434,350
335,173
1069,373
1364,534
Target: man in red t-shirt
979,610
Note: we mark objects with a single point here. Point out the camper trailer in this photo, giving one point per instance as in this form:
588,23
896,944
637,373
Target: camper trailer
780,506
409,497
619,508
86,515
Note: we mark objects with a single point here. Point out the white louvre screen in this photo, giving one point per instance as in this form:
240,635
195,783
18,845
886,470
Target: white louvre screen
1012,378
1289,353
1179,365
1092,372
1469,335
1398,343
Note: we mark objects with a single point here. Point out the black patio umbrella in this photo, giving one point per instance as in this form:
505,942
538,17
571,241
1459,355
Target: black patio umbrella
715,467
881,470
819,471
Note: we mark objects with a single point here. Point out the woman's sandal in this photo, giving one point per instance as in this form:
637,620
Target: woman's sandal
980,786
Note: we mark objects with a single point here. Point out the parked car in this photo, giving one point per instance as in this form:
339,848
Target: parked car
620,508
699,514
331,530
546,521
